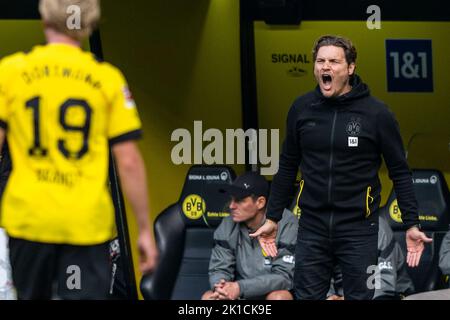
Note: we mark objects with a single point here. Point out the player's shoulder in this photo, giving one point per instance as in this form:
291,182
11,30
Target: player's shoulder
13,61
110,71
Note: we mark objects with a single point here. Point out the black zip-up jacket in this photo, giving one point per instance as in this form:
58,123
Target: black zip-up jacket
338,144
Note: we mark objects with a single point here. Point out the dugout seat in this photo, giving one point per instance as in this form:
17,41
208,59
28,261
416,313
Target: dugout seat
433,199
184,235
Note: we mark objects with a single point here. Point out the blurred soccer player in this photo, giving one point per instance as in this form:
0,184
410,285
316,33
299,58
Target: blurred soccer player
61,110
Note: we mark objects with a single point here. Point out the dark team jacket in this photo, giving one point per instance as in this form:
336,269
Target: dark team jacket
338,144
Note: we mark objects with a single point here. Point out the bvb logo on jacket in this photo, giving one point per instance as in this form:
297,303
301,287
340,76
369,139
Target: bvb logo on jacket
353,130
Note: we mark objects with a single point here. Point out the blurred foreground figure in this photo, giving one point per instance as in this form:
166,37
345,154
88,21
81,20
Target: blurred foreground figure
61,110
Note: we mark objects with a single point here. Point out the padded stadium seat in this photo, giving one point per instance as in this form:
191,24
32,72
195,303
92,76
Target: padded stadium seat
184,235
433,199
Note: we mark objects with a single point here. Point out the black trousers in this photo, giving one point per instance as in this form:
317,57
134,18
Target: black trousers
316,255
74,272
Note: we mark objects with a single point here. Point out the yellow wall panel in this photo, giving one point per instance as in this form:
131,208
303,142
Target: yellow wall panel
27,33
181,59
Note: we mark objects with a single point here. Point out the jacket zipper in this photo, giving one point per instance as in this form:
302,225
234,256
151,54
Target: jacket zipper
330,168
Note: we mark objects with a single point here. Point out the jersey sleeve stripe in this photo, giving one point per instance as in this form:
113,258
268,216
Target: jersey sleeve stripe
132,135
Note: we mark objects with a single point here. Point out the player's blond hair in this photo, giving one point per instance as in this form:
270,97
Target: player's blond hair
56,13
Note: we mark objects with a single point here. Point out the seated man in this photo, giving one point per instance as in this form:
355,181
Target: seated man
239,268
394,281
444,255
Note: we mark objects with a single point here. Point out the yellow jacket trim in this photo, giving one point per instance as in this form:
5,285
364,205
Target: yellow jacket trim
368,198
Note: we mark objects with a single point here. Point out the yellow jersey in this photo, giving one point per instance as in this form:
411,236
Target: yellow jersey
62,109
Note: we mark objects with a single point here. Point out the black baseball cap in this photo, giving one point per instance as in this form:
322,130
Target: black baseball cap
247,184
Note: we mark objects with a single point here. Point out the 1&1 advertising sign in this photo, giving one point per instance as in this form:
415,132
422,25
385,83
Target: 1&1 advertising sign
409,65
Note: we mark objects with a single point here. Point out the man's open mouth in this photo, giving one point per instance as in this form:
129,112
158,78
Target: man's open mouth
326,80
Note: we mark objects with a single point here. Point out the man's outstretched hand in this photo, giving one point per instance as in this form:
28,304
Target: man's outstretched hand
267,234
414,244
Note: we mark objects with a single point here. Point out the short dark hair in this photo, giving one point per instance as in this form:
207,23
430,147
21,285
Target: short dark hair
337,41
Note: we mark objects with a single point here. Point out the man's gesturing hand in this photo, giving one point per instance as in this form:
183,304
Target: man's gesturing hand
266,236
414,243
